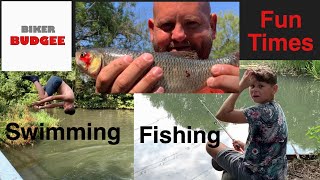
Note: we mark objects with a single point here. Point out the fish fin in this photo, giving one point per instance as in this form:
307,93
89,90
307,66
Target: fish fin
208,90
185,54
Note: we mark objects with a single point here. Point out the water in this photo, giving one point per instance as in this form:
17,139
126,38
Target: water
97,159
80,159
298,96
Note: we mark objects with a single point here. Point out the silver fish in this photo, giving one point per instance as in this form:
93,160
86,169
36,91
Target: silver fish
182,74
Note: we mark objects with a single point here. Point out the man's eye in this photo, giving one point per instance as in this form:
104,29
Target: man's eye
192,24
167,26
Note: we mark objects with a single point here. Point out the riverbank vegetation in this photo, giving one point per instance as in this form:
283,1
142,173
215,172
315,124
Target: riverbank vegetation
292,67
307,168
93,29
16,96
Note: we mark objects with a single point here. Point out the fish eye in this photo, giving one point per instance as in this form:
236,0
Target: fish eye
83,54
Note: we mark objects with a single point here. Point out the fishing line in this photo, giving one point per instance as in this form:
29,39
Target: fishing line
216,119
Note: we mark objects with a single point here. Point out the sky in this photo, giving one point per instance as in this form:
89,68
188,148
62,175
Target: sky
144,9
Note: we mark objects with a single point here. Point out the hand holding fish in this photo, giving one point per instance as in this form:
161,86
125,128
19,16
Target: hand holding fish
123,71
127,75
225,77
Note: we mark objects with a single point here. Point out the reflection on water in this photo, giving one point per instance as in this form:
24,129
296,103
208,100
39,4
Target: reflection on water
298,96
86,159
167,161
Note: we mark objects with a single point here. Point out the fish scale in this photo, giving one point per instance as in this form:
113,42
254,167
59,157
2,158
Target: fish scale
180,74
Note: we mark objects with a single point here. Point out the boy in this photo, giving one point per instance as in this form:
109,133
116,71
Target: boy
54,84
265,150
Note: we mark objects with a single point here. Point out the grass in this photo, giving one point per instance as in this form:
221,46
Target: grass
293,67
313,69
21,115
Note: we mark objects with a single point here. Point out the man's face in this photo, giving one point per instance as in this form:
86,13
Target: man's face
262,92
181,26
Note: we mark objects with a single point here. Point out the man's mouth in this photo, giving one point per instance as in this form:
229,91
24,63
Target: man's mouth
181,48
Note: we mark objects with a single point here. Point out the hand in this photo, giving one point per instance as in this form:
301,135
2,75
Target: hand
35,107
37,103
245,80
238,146
225,77
125,75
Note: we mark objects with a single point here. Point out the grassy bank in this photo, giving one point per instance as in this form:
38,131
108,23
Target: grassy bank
293,67
25,118
17,94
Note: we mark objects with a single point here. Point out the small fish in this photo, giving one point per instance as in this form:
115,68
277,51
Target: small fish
182,73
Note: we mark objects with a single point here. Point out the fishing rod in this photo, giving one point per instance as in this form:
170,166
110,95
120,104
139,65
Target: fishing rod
214,117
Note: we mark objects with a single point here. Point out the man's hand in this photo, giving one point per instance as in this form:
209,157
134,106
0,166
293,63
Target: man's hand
225,77
238,146
125,75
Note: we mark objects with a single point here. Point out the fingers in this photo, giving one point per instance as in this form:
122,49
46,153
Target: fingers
225,77
110,72
229,84
159,90
127,75
147,83
237,146
246,79
224,69
36,103
36,107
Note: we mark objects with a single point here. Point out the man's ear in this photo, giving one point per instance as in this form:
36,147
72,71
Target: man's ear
151,28
213,24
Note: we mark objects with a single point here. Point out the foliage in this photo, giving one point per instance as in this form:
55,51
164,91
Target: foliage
313,69
16,95
21,115
227,37
102,24
314,133
293,67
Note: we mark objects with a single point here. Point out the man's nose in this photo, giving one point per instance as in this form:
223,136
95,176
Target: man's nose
178,33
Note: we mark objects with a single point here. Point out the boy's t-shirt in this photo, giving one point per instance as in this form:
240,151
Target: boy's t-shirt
265,151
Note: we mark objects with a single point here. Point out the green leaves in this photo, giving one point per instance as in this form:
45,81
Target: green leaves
102,24
227,37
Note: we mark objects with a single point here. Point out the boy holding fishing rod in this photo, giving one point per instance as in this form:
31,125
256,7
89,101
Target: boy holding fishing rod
264,154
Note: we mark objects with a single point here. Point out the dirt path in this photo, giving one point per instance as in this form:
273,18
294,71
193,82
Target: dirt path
304,169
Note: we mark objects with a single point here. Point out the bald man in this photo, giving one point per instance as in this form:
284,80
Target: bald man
176,26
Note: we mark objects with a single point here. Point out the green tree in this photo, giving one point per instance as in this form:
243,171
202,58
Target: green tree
102,24
227,38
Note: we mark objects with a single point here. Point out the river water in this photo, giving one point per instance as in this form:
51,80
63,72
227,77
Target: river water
298,96
80,159
131,159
